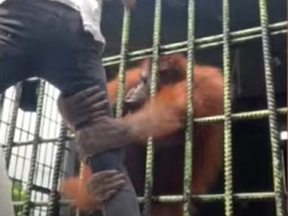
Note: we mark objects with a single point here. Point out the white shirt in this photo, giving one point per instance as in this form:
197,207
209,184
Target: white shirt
90,11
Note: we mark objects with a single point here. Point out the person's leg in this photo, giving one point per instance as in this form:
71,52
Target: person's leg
14,41
14,67
12,71
72,62
75,71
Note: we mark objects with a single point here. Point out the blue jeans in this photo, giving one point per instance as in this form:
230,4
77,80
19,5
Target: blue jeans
46,39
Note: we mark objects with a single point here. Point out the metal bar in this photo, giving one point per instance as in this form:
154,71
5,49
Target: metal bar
257,196
54,195
12,125
201,43
273,126
26,207
6,204
17,144
1,104
259,114
123,60
153,88
232,42
125,201
228,177
188,166
241,116
218,197
68,166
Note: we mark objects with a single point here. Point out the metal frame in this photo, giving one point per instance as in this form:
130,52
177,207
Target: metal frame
36,141
38,167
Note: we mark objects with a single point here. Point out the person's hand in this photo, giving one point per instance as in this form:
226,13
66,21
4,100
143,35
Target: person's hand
82,107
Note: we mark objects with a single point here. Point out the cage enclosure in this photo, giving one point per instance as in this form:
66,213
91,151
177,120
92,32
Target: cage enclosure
247,39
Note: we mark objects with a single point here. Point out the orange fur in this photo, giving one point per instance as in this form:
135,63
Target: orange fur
169,105
76,189
131,80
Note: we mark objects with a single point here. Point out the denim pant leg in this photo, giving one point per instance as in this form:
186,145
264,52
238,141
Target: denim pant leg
70,58
75,66
72,61
15,37
47,39
59,50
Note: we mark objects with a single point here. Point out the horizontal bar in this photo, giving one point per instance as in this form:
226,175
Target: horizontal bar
219,43
40,141
259,114
201,43
258,196
217,197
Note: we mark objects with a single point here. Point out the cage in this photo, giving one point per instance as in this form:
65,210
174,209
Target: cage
245,38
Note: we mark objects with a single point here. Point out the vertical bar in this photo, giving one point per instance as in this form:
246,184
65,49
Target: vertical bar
1,104
126,199
188,166
227,112
273,127
69,161
54,195
26,207
6,204
153,88
123,60
12,125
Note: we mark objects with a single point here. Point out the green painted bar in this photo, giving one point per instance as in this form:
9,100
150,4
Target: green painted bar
201,43
54,195
11,133
123,60
225,39
242,116
273,123
188,155
228,168
150,150
27,208
178,198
